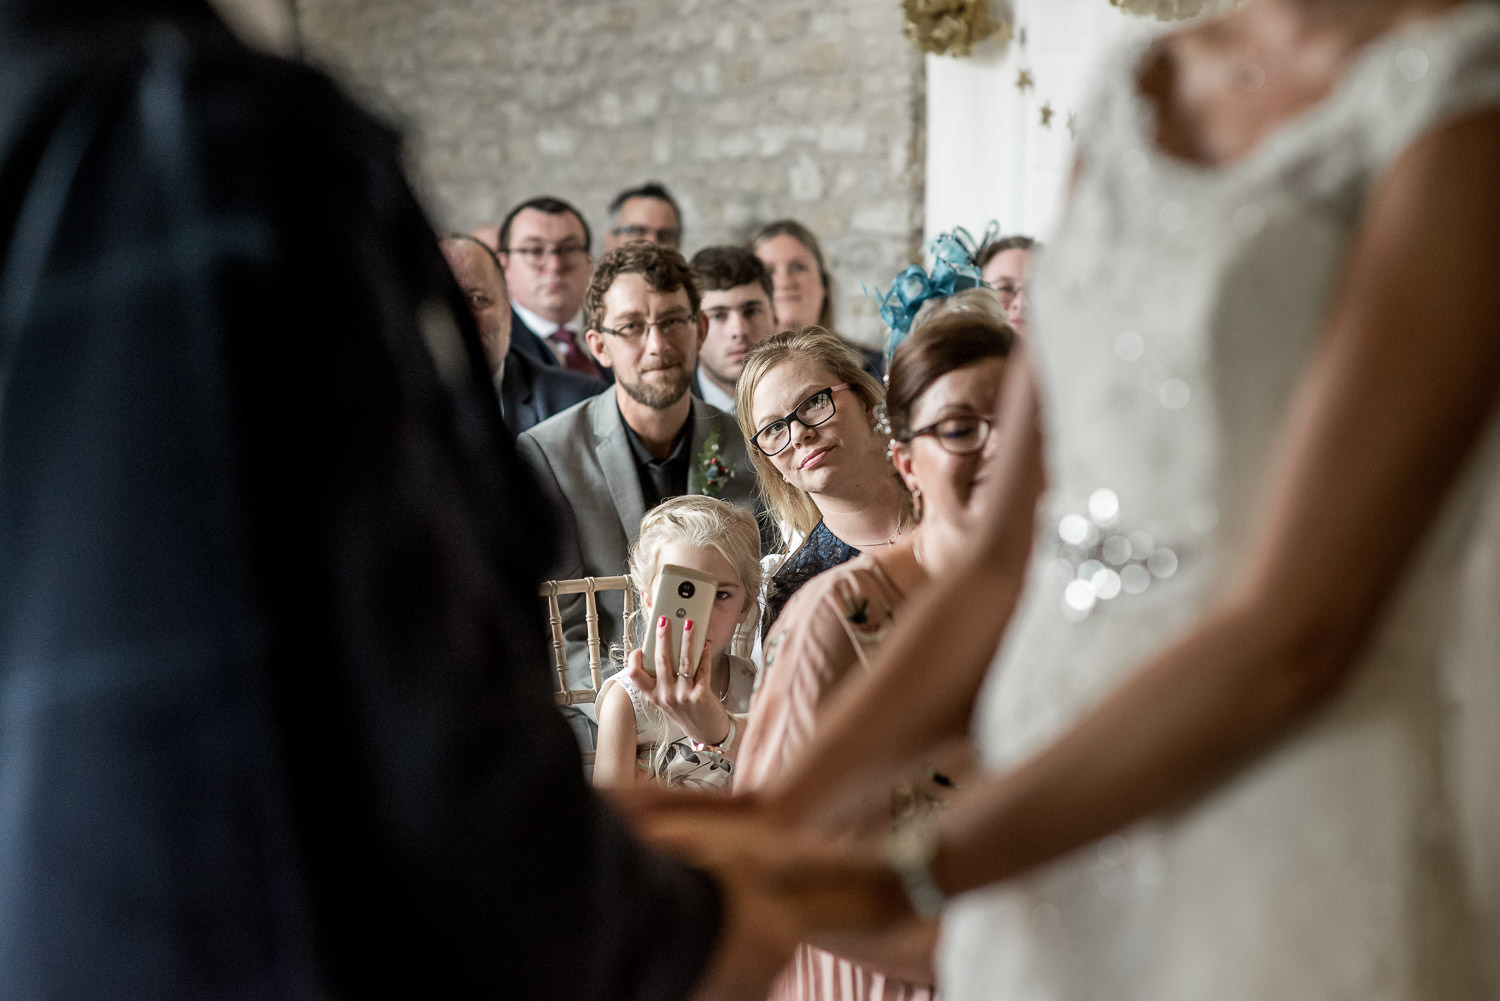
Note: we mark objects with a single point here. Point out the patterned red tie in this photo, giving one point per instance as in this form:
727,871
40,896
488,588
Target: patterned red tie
572,355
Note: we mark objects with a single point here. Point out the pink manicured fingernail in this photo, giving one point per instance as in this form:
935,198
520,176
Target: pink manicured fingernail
663,623
687,625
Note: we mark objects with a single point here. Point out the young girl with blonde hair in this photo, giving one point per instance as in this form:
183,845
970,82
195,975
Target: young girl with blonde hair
682,725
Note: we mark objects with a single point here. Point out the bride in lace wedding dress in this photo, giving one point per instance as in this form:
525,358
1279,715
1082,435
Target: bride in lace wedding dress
1241,728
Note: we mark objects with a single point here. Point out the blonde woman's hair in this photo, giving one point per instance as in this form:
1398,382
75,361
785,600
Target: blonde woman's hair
705,522
790,505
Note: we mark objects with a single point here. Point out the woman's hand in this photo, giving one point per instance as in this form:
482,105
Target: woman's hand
840,884
684,691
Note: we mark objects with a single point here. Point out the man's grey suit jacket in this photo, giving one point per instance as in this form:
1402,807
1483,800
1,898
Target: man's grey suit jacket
583,458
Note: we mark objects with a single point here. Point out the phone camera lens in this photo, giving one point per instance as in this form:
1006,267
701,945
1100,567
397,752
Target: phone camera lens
686,589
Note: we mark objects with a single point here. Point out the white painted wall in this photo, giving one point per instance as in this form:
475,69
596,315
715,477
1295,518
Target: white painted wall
988,155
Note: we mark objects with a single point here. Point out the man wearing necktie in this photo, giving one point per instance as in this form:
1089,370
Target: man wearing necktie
544,246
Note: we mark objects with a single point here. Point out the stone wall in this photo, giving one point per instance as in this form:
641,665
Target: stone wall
746,111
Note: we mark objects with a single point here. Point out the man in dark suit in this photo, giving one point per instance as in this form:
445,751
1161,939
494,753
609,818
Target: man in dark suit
544,249
529,392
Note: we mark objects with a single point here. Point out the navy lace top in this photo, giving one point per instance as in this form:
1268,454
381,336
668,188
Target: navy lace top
820,551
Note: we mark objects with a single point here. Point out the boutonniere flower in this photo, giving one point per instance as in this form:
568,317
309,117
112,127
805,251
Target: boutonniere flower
711,471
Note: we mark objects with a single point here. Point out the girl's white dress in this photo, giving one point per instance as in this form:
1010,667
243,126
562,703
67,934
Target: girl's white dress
1175,310
680,764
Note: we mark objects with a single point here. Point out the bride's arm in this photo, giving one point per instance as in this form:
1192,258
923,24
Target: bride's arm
1391,406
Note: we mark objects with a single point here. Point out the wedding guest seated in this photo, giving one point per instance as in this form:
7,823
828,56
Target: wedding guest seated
681,724
528,392
648,212
544,245
1006,264
944,380
808,409
803,287
737,303
609,460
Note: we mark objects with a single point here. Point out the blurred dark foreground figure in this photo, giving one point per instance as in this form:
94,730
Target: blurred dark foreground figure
274,721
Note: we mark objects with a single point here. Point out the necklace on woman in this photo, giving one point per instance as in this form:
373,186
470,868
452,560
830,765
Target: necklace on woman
879,543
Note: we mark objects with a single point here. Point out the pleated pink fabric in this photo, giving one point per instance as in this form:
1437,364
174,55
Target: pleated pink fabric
825,638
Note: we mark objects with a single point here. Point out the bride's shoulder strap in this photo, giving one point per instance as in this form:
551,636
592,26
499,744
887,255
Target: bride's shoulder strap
1431,74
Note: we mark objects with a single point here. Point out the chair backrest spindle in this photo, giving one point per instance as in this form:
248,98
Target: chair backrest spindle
589,588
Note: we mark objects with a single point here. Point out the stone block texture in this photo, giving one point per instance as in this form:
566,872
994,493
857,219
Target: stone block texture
747,111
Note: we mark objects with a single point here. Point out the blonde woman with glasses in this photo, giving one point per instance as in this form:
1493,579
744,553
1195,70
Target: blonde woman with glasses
809,413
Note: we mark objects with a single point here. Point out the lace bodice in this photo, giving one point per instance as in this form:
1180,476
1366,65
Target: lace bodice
1194,338
1175,310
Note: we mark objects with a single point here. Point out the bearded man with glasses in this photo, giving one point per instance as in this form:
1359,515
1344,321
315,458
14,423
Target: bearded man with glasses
610,459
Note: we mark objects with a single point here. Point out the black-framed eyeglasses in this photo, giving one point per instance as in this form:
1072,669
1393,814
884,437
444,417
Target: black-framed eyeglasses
670,327
956,435
816,409
567,254
665,235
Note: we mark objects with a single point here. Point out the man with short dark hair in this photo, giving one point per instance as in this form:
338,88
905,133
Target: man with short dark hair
737,307
529,392
615,456
647,212
544,247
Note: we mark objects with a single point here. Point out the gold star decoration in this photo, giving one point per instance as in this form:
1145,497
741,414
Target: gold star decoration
1024,81
1046,110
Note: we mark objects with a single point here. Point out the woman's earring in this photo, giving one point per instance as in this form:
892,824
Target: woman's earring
916,504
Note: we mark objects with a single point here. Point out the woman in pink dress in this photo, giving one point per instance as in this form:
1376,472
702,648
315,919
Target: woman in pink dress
943,385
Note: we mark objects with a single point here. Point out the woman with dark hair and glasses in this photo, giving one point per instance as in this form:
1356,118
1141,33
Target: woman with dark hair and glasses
944,380
1006,264
807,407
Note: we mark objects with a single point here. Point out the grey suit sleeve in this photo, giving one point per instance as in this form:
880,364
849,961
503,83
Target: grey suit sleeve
569,562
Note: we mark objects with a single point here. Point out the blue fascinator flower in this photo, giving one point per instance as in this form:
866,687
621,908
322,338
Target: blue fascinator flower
953,270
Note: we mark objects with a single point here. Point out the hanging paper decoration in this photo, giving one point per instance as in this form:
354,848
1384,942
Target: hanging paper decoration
951,27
